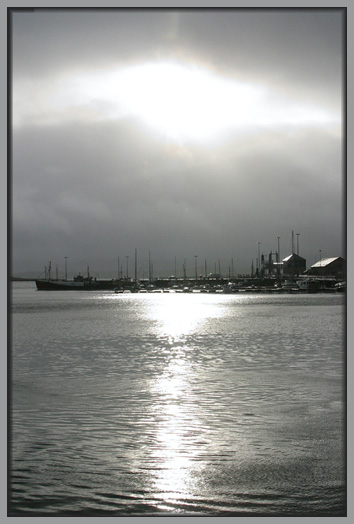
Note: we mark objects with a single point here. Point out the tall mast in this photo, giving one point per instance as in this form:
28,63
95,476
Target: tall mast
278,249
136,266
149,268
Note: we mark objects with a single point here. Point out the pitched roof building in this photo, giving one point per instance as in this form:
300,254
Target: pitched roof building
293,265
335,267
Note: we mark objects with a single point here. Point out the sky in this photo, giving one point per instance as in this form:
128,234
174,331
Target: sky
181,133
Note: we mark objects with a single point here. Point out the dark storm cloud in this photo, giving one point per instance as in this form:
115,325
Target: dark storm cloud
48,42
160,200
94,190
300,46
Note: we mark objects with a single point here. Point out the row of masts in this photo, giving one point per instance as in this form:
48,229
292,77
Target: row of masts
121,275
217,266
184,268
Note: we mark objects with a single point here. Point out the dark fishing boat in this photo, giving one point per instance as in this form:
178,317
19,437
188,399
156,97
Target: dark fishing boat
79,283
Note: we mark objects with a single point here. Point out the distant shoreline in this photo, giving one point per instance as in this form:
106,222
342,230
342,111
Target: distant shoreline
22,279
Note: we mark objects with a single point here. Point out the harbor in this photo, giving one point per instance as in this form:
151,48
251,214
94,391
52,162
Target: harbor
270,276
177,270
202,285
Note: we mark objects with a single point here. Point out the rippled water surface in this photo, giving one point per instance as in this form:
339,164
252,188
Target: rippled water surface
181,404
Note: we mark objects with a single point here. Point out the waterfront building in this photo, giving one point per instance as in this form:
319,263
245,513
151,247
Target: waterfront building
328,267
293,265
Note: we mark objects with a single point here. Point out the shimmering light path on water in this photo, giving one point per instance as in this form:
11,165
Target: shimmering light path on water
185,404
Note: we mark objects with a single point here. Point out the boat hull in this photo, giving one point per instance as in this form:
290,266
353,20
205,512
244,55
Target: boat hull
67,285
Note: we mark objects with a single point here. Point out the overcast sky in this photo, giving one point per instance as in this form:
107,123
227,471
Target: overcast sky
179,132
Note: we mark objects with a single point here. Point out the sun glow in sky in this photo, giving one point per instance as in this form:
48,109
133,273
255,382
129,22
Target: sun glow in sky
185,102
177,132
182,102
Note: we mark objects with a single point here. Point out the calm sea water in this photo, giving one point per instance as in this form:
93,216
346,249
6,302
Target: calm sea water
180,404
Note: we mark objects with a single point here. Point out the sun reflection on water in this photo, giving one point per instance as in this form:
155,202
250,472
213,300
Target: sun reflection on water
181,436
178,427
179,317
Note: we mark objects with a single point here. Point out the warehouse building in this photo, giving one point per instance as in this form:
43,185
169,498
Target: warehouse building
328,267
293,266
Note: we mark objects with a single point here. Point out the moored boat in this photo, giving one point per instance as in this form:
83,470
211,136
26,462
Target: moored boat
79,283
